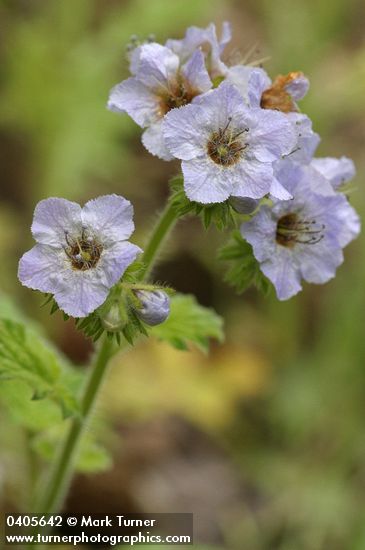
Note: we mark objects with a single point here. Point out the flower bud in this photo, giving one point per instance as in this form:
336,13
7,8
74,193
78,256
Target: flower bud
115,319
155,306
244,205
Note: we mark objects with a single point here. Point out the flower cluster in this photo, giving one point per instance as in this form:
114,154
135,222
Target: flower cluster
242,141
245,148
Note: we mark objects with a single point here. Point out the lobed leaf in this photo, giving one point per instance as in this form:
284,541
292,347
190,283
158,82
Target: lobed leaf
25,356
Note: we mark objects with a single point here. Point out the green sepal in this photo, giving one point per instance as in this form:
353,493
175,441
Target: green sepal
219,214
134,328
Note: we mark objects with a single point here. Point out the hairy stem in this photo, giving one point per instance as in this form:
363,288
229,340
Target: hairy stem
165,224
62,470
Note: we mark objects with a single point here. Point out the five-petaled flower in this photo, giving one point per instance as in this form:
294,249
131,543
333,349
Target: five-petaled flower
80,252
302,238
227,148
160,83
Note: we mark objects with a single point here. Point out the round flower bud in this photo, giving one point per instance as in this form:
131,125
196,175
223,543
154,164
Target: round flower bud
244,205
155,306
115,319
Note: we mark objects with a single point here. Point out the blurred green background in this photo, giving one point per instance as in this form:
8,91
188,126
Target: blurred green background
264,439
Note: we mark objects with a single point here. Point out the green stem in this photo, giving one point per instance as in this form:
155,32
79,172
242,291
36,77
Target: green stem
62,472
165,223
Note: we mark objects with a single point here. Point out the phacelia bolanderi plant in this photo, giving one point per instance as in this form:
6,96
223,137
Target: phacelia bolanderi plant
247,161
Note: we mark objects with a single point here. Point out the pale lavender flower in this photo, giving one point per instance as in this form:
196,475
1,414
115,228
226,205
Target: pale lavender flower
154,306
226,148
80,252
337,171
160,83
206,40
301,238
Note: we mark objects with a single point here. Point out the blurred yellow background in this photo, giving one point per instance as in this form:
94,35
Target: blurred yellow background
264,439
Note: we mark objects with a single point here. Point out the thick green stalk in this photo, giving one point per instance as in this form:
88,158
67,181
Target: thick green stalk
62,472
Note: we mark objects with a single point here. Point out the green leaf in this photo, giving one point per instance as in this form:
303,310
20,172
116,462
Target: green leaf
244,270
189,323
26,357
92,457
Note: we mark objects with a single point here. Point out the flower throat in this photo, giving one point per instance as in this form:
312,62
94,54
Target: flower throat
224,147
292,230
84,252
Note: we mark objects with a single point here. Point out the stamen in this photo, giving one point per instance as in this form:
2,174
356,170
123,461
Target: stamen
291,230
223,147
83,251
226,126
240,133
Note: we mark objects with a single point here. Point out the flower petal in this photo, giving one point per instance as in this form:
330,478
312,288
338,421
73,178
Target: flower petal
224,104
42,268
54,217
341,220
298,86
318,263
109,217
185,137
272,136
254,179
134,98
206,182
260,232
115,260
278,191
283,273
308,140
157,67
154,141
276,262
336,170
196,74
81,293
